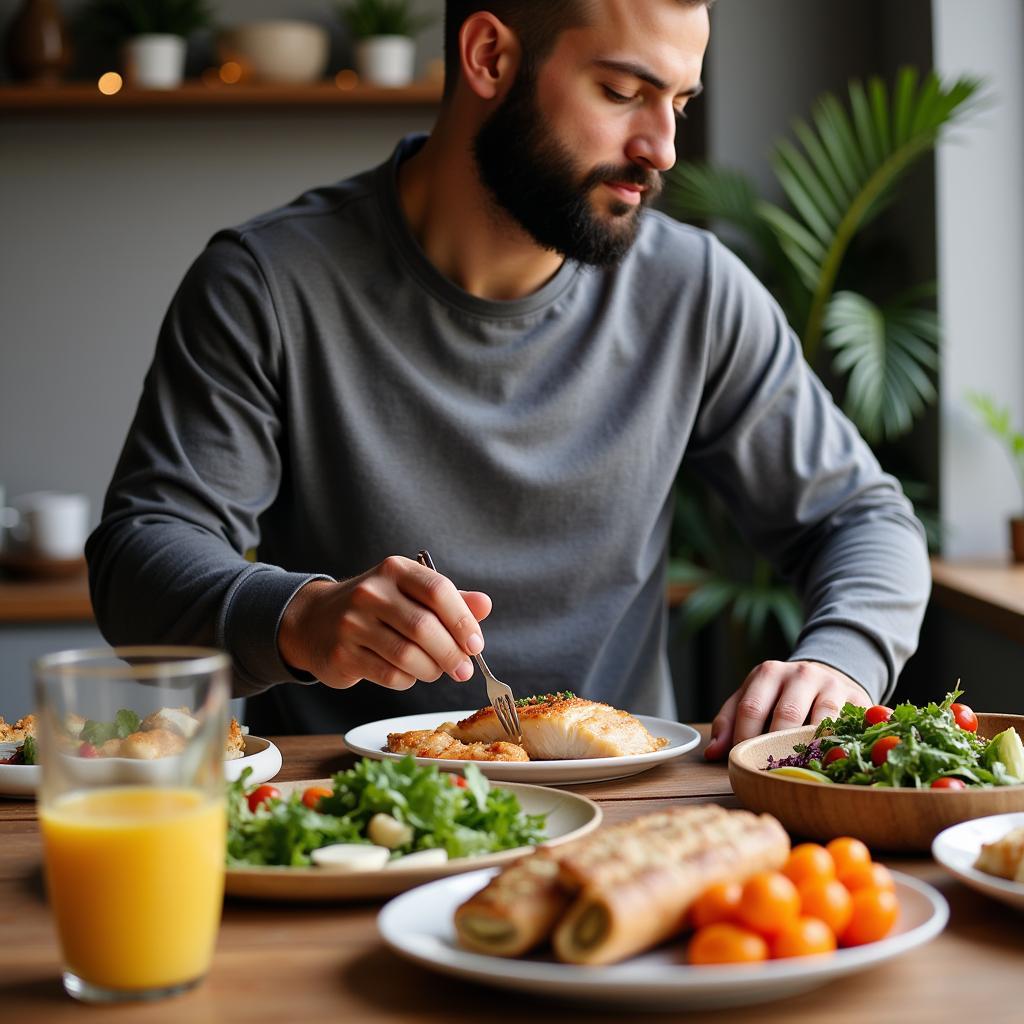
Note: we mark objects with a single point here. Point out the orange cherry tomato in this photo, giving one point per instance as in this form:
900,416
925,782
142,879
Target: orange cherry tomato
724,943
261,794
874,914
868,876
715,904
769,903
847,852
877,713
880,749
835,754
311,797
828,900
807,861
964,717
806,936
948,782
457,780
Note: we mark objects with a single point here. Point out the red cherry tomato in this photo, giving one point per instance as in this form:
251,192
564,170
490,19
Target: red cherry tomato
948,782
964,717
880,749
835,754
311,797
88,750
457,780
261,794
877,713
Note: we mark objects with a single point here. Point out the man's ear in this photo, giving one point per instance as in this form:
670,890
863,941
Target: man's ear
489,54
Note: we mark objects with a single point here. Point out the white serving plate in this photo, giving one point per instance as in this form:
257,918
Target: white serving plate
369,740
957,848
21,780
569,817
418,926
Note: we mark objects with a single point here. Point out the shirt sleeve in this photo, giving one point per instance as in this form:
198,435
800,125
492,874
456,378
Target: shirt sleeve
168,564
805,488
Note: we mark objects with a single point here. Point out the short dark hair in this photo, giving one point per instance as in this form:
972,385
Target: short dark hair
538,23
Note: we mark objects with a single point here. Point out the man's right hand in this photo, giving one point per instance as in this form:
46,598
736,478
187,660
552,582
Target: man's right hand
393,625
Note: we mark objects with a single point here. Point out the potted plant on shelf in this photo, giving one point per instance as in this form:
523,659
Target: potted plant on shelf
150,33
384,31
997,419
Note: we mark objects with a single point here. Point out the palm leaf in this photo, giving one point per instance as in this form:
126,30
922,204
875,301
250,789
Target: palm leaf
861,155
889,354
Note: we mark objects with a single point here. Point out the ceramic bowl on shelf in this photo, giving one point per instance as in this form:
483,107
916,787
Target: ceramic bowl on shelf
885,819
282,51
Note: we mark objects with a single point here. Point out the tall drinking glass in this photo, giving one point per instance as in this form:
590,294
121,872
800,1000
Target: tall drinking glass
132,811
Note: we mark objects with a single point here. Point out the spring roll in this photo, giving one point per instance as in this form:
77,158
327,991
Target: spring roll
516,910
635,893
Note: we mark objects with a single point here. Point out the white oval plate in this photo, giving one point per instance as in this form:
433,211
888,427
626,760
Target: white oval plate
21,780
418,926
370,739
957,848
569,817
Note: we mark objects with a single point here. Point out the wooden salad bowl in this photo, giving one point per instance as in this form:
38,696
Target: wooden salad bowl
885,819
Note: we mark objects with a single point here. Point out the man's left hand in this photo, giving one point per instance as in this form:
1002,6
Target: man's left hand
786,694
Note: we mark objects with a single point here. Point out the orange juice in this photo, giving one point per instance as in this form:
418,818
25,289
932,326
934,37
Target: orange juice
136,879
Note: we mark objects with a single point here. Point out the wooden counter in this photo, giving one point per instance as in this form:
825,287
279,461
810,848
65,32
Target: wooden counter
990,593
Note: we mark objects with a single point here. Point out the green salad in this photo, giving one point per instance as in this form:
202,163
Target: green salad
935,746
416,808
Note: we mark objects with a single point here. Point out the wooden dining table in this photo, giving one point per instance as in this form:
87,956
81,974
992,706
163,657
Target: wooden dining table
288,963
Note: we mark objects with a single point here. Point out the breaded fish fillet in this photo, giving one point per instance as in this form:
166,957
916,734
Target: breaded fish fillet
435,743
562,726
14,733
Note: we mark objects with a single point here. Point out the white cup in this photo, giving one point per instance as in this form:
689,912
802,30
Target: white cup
50,524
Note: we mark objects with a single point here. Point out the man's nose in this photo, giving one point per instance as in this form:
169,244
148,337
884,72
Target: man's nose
653,144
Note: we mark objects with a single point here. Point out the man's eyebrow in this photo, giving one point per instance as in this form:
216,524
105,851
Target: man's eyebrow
629,67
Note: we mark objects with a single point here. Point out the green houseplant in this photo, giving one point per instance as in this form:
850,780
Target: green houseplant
876,345
384,31
997,419
151,34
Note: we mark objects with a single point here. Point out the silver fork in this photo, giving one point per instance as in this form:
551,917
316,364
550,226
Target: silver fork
500,694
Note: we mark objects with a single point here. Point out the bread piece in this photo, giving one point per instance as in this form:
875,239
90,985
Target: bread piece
636,887
1005,857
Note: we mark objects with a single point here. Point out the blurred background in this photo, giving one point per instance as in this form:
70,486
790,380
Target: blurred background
105,203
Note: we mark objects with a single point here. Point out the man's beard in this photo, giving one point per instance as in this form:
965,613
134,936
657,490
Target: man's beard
532,176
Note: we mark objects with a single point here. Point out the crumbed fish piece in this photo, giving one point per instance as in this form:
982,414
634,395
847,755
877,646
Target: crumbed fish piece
435,743
1004,858
149,745
559,727
19,730
234,746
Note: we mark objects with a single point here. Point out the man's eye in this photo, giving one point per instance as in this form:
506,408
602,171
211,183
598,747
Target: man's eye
616,97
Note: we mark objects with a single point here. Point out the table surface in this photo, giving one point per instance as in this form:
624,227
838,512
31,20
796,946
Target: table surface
282,963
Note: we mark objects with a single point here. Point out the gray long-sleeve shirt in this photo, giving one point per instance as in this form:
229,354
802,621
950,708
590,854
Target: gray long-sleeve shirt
322,393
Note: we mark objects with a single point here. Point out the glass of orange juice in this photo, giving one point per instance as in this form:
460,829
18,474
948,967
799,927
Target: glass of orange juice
132,812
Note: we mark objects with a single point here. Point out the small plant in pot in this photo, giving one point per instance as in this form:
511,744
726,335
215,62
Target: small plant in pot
997,419
150,33
384,32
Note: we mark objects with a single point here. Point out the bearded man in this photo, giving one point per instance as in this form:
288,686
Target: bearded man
489,346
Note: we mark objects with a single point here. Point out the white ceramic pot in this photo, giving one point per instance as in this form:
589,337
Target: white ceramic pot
386,60
155,61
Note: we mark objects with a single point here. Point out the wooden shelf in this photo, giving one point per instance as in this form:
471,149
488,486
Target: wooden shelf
198,95
45,600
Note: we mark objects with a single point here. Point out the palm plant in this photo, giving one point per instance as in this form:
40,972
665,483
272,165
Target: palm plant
841,173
